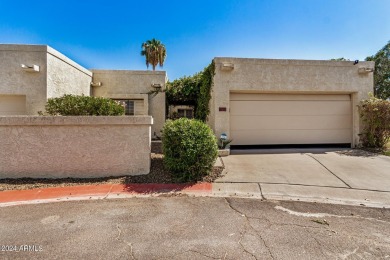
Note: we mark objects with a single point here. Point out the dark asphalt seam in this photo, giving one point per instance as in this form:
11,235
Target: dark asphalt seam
261,192
231,207
242,246
261,238
328,170
250,225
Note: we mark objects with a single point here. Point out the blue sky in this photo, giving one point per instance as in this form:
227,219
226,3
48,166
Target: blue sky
108,34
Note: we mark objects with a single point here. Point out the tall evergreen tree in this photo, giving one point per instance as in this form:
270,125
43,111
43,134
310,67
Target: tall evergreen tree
382,72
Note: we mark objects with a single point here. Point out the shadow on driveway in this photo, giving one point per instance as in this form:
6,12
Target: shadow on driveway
288,150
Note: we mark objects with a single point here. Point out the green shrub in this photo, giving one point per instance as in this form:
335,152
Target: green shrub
72,105
375,114
189,147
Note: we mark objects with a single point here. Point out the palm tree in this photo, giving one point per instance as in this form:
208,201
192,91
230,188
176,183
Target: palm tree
154,52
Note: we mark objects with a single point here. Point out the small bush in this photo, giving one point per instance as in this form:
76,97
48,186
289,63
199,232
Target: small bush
189,147
71,105
375,114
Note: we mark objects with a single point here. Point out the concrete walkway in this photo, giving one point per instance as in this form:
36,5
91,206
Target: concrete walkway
323,175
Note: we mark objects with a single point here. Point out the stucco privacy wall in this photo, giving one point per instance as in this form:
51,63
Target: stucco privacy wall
64,76
124,84
57,75
287,76
58,147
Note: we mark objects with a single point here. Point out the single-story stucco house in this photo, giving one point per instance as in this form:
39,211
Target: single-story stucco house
288,102
254,101
30,74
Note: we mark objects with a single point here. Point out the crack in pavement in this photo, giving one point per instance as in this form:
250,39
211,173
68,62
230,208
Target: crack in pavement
349,254
318,243
119,232
261,192
223,164
193,251
322,215
197,252
328,170
124,241
250,225
324,249
243,247
270,223
108,193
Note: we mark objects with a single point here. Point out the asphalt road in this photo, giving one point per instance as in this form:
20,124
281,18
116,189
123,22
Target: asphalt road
193,228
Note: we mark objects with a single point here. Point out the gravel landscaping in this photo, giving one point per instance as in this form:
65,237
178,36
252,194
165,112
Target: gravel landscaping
158,174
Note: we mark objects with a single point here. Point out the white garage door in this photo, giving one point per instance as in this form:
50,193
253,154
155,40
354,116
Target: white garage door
269,119
12,105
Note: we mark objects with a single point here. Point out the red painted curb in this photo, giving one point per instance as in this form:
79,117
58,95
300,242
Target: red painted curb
99,190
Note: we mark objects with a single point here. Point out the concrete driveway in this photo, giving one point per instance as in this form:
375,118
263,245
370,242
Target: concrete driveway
326,172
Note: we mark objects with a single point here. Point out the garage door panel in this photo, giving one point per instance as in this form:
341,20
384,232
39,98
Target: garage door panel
290,122
290,119
12,104
296,97
269,137
290,108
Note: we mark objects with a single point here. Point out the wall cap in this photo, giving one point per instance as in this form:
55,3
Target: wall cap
296,62
74,120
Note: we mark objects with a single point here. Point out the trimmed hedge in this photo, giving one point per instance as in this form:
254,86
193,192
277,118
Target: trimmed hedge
72,105
189,147
375,114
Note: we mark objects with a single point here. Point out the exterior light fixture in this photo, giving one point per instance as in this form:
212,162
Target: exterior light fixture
227,66
156,86
364,70
30,68
96,84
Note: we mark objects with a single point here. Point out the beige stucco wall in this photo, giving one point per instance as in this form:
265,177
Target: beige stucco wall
16,81
80,147
64,76
57,75
126,84
287,76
